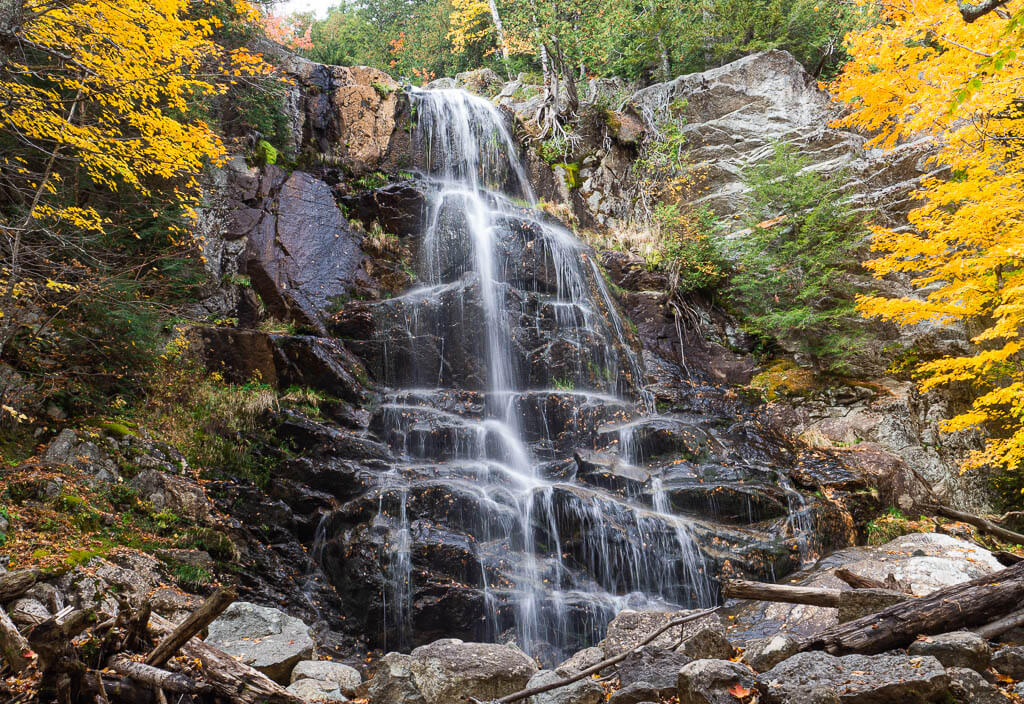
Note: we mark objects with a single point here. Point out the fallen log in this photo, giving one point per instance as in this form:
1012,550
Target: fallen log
540,689
789,594
14,584
1000,626
229,678
12,644
959,607
161,679
198,620
1008,559
978,522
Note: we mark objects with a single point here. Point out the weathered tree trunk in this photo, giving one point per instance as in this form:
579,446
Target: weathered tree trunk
814,596
499,29
961,606
229,677
198,620
12,644
666,66
162,679
858,582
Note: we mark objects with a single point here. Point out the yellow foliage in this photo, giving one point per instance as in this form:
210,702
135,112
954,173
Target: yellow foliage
470,22
925,73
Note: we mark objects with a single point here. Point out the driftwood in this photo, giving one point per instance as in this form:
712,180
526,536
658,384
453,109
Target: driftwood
858,582
14,584
112,688
1000,626
229,678
962,606
12,644
196,621
978,522
540,689
763,591
161,679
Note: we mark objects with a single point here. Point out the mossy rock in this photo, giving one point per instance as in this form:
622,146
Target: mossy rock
785,380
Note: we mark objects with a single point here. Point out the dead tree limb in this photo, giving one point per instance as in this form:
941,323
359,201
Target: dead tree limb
161,679
962,606
14,584
12,644
970,12
1000,626
540,689
230,678
762,591
198,620
858,582
978,522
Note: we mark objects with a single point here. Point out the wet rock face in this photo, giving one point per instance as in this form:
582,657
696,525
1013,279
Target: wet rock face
305,258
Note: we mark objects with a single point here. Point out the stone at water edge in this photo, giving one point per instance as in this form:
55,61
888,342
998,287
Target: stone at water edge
709,643
344,677
629,628
584,691
856,679
262,637
709,682
581,660
656,668
957,649
763,654
1009,661
448,671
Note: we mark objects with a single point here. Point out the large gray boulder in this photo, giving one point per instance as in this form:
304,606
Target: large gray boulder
856,679
262,637
67,449
655,668
448,671
763,654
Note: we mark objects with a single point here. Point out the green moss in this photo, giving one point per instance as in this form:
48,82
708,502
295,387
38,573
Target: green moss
784,379
265,152
571,174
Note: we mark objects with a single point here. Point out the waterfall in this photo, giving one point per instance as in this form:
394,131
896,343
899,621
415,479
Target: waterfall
535,491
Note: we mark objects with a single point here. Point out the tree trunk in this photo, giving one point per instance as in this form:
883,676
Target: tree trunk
959,607
499,30
814,596
666,66
996,628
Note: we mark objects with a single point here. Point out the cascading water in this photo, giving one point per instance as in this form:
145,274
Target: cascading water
527,500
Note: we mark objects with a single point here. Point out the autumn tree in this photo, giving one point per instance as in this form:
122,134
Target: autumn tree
925,72
102,138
